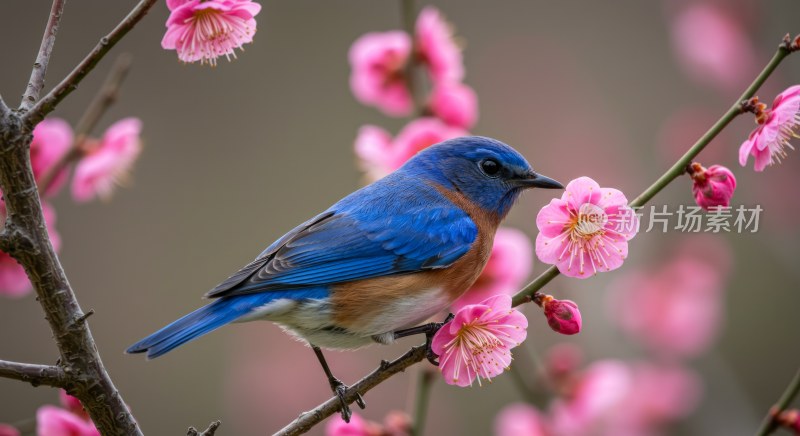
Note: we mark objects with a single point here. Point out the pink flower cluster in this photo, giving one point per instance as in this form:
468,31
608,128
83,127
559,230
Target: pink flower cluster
477,343
102,164
607,397
70,419
203,30
382,62
674,309
396,423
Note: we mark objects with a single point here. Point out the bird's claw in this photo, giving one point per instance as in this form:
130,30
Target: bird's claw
340,390
432,357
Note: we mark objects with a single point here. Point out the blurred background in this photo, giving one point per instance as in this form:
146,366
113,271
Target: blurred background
234,156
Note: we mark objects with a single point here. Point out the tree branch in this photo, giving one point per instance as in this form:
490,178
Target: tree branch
106,97
25,238
770,422
34,374
70,83
36,82
387,369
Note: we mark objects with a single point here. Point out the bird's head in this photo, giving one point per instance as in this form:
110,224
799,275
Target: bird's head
488,172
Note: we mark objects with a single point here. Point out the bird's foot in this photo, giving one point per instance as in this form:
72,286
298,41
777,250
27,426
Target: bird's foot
432,357
429,330
340,390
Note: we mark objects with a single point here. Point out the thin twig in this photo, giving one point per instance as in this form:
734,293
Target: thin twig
70,83
426,379
36,82
210,431
104,99
677,169
770,423
4,110
408,15
313,417
47,375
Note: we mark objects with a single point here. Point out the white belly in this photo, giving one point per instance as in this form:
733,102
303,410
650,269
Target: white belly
311,320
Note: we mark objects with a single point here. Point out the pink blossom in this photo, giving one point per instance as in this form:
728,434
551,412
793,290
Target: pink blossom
396,423
14,282
52,138
379,154
659,394
674,310
436,47
562,360
7,430
108,163
520,419
54,421
713,187
585,231
510,263
769,141
477,343
562,316
378,77
203,30
72,404
712,47
454,103
357,426
596,393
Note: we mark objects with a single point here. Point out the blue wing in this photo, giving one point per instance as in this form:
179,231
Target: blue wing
377,231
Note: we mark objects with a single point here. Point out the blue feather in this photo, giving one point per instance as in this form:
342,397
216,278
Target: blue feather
213,316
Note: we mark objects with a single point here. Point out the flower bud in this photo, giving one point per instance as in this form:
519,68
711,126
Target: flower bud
563,316
713,187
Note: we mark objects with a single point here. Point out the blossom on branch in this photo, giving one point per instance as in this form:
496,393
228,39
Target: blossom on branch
107,163
776,126
52,139
379,154
454,103
586,230
396,423
378,77
713,186
55,421
563,316
14,281
477,343
203,30
437,48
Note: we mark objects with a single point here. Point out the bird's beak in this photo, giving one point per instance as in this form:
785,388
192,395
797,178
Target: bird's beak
533,180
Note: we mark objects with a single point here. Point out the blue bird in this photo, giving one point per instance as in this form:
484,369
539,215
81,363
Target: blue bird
379,261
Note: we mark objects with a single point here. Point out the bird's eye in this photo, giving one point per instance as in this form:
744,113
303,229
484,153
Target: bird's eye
490,167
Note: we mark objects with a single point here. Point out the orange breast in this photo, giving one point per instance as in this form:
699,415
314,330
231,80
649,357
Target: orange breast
357,304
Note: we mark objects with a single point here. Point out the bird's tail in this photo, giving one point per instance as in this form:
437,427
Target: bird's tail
203,320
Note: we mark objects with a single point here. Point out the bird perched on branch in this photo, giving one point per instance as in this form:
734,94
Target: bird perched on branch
379,261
